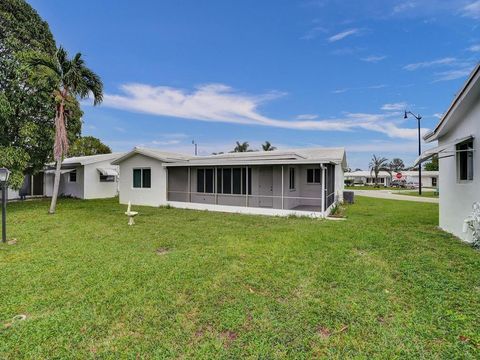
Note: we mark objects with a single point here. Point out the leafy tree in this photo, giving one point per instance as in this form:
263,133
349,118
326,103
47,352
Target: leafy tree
397,165
72,79
242,147
88,145
432,165
378,164
267,146
26,102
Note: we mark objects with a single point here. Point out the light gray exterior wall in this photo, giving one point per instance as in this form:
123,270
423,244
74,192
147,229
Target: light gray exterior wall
154,196
66,188
93,187
456,198
178,188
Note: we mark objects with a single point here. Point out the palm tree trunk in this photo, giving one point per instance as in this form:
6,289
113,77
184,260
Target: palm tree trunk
60,147
56,185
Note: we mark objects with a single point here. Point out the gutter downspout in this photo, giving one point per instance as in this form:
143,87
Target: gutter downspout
324,189
282,187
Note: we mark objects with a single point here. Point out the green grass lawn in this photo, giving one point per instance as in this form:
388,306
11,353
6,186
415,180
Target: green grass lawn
430,194
383,284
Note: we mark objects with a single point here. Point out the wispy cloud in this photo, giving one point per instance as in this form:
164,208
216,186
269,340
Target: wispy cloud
220,103
472,10
474,48
342,35
452,74
119,129
306,117
373,58
371,87
405,6
314,33
427,64
395,106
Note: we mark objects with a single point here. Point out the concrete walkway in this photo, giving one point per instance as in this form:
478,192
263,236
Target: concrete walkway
389,194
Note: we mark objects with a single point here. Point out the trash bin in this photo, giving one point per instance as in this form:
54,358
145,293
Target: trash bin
348,197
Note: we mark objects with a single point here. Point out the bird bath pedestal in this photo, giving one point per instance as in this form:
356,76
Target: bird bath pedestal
131,214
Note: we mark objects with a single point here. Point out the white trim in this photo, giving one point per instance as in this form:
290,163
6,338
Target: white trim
244,210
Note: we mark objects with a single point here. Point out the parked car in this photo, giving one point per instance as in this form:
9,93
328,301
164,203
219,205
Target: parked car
411,185
401,184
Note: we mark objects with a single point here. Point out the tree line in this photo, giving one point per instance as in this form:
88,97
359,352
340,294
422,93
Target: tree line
40,89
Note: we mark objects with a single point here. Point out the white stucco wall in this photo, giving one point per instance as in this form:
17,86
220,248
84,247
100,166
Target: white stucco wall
66,187
154,196
94,188
456,198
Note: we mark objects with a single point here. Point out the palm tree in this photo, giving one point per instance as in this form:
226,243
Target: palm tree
378,164
73,81
268,146
241,147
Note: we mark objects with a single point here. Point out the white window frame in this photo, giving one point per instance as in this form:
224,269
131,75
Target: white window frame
141,187
76,177
319,179
458,163
290,187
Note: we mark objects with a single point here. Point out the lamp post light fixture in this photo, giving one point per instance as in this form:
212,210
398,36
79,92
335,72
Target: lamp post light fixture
418,117
4,175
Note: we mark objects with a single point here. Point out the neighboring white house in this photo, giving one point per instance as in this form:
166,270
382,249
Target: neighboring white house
459,161
429,178
33,186
302,182
85,177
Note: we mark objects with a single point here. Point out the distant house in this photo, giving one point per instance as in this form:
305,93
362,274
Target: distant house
429,178
457,148
302,182
85,177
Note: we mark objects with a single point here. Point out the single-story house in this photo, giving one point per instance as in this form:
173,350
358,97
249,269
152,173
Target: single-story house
302,182
429,178
457,133
33,186
85,177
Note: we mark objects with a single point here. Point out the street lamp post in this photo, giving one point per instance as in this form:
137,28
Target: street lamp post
4,174
418,117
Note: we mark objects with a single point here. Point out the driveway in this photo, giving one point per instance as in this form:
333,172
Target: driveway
389,194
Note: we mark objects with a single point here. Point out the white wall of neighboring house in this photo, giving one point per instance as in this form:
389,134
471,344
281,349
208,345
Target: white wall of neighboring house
457,197
93,187
153,196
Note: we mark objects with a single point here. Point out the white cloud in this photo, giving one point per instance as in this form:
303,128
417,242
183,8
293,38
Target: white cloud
452,74
400,106
220,103
426,64
342,35
313,33
405,6
474,48
472,10
119,129
165,142
371,87
373,59
306,117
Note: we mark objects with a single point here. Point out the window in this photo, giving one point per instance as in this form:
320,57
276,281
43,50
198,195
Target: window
237,181
205,181
72,176
313,176
229,181
107,178
434,182
142,178
291,183
465,161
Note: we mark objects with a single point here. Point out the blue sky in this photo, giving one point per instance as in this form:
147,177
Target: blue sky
296,73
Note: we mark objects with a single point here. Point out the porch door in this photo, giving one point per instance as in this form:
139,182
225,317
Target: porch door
38,184
265,186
